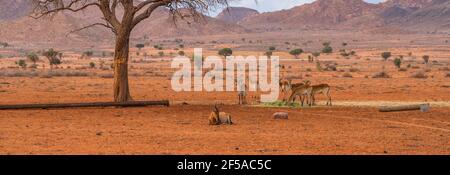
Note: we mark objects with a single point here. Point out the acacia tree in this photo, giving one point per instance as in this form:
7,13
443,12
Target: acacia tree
132,13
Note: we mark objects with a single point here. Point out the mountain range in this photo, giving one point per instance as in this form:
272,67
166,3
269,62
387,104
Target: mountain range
426,16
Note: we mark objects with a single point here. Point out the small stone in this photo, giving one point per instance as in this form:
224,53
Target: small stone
280,115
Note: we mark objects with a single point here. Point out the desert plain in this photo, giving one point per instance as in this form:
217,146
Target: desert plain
353,125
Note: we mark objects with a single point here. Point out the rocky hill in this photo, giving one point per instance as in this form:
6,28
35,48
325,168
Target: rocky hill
14,9
319,14
236,14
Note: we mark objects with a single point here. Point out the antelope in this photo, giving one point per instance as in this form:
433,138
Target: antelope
300,90
242,94
319,89
286,86
217,118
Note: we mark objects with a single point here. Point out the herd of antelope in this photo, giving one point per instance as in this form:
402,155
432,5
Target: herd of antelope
305,91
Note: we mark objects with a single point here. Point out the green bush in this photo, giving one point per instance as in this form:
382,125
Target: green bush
225,52
386,55
22,64
381,74
296,52
398,62
33,57
4,44
92,65
327,48
88,53
316,54
140,46
54,57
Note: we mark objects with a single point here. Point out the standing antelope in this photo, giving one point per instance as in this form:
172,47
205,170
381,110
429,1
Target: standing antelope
299,90
242,94
319,89
286,86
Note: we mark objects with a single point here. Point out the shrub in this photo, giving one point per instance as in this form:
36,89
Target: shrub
403,69
34,66
33,57
296,52
54,57
353,69
140,46
447,75
161,53
225,52
66,73
316,54
4,44
88,53
92,65
272,48
159,47
386,55
419,74
327,48
268,53
381,74
444,69
345,54
106,75
398,62
22,64
181,53
330,67
347,75
18,73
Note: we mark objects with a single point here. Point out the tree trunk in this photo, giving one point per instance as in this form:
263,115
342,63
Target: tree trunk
121,87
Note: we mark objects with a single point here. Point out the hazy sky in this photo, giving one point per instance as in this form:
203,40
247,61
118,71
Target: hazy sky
273,5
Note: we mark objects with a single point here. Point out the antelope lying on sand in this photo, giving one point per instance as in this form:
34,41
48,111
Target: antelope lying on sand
218,118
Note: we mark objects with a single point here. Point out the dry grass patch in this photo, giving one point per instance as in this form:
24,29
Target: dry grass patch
419,74
381,74
347,75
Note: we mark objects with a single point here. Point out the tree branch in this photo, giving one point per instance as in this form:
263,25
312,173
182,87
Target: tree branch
44,7
92,25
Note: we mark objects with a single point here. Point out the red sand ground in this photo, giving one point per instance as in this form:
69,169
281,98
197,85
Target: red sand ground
184,130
